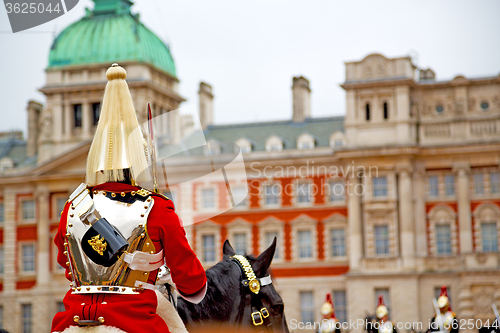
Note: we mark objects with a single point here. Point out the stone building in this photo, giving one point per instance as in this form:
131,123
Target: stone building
398,197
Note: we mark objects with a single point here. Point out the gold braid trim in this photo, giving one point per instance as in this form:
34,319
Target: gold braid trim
253,283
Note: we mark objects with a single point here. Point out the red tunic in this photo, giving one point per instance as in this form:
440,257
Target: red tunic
135,313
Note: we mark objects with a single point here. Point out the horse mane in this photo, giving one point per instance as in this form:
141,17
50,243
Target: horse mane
219,282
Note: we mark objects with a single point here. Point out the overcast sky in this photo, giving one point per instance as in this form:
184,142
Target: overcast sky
249,51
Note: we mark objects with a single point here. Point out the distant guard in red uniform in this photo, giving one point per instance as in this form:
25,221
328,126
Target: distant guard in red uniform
445,320
383,325
330,323
114,236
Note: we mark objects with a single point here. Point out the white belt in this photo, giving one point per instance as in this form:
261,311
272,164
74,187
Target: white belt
139,286
142,261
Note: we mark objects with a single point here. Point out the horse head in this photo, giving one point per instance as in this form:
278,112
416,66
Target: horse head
262,309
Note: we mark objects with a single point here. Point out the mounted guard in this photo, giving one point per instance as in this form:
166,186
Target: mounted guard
114,236
445,320
330,323
382,323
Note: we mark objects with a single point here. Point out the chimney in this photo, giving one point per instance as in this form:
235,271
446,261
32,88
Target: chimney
34,109
206,105
301,99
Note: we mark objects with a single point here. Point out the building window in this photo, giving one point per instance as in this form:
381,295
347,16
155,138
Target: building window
1,317
77,115
305,141
2,212
208,198
337,192
380,187
60,307
367,111
269,237
240,243
27,318
433,187
495,182
212,148
271,194
338,242
60,203
303,193
443,239
96,112
386,111
307,306
246,149
305,244
306,145
28,209
489,236
240,195
274,143
1,260
384,292
208,248
340,305
28,258
275,147
478,184
172,195
437,292
449,185
381,239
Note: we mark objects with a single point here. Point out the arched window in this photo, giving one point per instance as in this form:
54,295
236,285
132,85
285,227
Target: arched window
367,109
386,111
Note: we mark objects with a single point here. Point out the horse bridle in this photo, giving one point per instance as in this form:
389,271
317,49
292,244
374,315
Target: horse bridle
260,314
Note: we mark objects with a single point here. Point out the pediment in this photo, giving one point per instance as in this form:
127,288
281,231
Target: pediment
239,222
72,162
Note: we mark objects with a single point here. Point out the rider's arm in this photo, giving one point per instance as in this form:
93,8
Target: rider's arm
185,268
59,240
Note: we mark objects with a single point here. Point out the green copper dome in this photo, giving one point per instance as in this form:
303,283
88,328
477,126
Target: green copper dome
108,34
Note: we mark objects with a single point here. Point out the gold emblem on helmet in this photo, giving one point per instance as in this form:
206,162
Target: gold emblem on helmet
98,244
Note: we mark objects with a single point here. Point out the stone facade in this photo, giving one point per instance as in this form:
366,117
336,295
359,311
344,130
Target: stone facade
418,173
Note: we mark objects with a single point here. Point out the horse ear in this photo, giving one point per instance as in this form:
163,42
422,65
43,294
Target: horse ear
263,261
227,249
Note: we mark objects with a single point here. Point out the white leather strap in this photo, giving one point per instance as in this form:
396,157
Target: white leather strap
142,261
266,280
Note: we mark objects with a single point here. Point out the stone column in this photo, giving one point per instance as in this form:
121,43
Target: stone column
43,236
405,192
355,223
10,259
464,215
420,215
68,120
42,297
87,121
55,103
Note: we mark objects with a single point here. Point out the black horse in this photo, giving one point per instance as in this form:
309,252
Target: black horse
227,303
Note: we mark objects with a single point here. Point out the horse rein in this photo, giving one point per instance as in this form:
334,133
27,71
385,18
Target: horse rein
260,314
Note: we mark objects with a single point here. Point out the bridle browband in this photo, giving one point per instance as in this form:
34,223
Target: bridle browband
260,314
